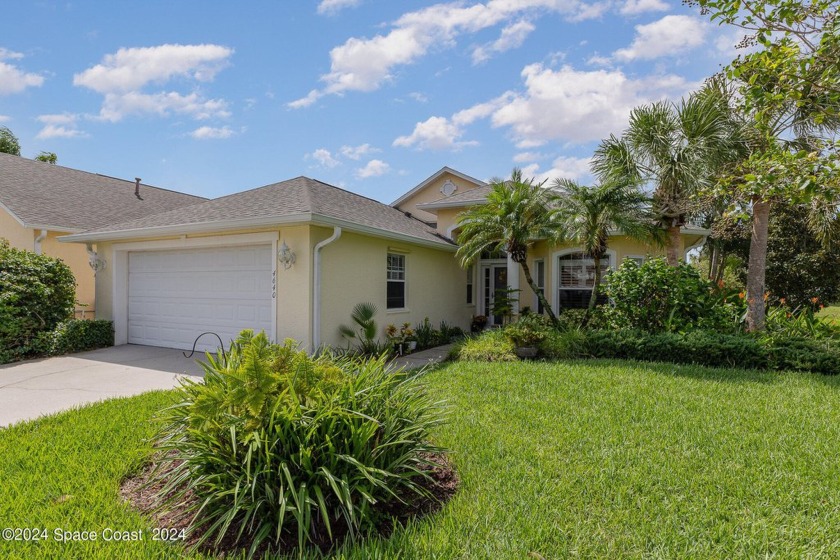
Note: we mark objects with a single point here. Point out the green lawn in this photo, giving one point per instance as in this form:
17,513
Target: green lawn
578,459
832,313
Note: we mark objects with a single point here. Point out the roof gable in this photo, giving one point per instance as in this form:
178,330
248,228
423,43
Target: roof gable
47,196
437,175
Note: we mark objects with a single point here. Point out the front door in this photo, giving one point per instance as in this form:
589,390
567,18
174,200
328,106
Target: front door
494,288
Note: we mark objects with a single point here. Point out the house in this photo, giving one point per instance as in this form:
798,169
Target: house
40,202
293,258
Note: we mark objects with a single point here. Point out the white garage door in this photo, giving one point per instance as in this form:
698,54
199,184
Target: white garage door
174,296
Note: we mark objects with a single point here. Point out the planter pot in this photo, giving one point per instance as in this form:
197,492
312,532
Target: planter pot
526,352
412,345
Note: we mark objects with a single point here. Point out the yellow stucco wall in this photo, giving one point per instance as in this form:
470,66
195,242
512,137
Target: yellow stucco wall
431,193
73,254
17,235
354,271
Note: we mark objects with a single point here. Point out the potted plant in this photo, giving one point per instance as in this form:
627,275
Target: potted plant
527,334
478,323
408,337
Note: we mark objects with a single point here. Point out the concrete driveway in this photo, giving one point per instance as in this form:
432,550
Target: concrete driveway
34,388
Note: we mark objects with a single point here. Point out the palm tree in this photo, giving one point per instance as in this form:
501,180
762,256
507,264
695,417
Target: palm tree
588,216
676,148
516,215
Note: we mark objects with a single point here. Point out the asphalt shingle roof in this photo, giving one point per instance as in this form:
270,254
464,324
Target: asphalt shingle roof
297,196
43,194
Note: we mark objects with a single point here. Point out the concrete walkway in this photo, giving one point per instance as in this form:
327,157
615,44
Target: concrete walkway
38,387
423,358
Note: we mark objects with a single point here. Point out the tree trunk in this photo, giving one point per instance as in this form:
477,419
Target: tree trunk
757,265
674,248
539,293
593,299
713,261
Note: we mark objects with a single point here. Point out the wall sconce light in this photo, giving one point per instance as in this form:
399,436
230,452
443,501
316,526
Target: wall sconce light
96,262
285,256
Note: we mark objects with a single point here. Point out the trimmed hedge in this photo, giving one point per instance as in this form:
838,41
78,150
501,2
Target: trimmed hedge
78,335
701,347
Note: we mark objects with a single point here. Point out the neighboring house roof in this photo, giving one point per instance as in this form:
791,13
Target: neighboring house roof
433,178
297,200
46,196
472,197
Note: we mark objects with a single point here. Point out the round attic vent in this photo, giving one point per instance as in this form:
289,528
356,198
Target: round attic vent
448,188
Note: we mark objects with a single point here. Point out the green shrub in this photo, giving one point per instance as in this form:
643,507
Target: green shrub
804,354
563,345
696,347
36,293
276,445
529,330
783,321
78,335
489,346
656,297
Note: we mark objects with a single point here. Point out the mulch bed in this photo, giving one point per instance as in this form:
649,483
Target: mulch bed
142,493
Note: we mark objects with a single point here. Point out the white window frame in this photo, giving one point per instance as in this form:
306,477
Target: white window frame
555,271
537,263
640,259
471,284
389,279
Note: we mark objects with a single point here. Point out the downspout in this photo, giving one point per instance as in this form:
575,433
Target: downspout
316,288
38,240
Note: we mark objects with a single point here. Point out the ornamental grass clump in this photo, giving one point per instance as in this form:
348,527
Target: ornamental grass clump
276,448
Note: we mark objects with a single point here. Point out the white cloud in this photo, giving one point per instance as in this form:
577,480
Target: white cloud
525,157
418,97
5,118
374,168
12,78
212,133
357,152
435,133
579,106
564,167
666,37
565,105
331,7
634,7
323,157
365,64
121,78
131,69
116,106
511,37
63,125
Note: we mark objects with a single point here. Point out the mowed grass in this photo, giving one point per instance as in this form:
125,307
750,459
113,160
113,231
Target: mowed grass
832,313
576,459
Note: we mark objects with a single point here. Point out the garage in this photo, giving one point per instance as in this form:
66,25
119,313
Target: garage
175,295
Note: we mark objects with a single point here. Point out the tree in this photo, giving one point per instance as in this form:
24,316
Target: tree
515,216
588,216
47,157
675,148
9,143
799,266
790,92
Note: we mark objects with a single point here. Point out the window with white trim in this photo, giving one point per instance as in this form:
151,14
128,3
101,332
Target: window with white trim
469,285
576,278
539,280
639,260
396,281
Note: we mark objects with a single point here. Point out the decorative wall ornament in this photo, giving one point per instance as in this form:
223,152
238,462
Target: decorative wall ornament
448,188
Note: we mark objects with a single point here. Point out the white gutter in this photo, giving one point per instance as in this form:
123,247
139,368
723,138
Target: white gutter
38,240
316,288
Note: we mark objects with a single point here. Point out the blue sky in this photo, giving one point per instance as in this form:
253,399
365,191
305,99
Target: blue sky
215,97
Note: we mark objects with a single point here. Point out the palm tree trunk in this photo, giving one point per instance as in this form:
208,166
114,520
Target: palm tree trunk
674,248
539,293
593,299
713,260
757,265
